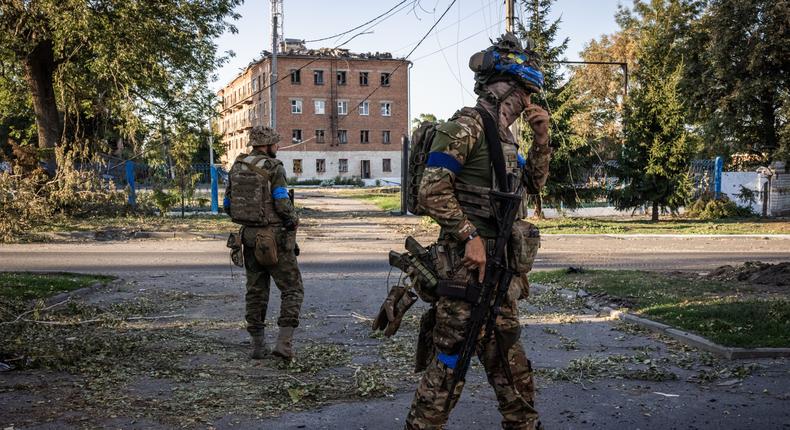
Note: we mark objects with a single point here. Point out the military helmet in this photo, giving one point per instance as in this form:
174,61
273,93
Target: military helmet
508,60
263,136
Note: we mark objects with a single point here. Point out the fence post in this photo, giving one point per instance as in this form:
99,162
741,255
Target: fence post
214,190
130,181
718,169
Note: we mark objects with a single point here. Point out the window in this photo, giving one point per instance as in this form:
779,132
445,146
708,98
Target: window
386,109
320,107
319,136
342,165
341,77
320,166
342,136
296,135
363,79
296,77
364,136
342,107
386,165
364,108
296,106
318,77
297,167
385,79
385,136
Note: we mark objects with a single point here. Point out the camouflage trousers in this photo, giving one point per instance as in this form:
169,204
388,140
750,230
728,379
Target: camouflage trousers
516,402
287,278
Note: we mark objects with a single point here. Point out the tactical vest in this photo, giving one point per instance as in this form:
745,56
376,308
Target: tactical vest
251,201
474,199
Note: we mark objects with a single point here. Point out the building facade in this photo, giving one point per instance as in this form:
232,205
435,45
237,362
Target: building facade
339,114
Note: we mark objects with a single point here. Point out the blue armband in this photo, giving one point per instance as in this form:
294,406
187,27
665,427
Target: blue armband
226,203
448,360
280,193
440,159
521,161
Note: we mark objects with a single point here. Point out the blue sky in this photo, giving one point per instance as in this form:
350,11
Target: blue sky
441,82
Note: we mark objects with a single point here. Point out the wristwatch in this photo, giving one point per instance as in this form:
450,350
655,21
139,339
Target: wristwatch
471,236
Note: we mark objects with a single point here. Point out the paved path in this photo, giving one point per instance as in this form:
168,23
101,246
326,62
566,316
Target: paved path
345,275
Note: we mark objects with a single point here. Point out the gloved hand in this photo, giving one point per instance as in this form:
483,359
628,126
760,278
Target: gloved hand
297,251
290,224
391,313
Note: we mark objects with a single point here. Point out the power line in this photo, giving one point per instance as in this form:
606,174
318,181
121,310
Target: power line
356,108
496,24
359,26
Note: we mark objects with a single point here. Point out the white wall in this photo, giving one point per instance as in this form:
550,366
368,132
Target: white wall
731,183
354,164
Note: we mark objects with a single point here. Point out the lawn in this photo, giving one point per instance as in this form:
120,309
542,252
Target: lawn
387,199
729,313
634,225
27,286
196,223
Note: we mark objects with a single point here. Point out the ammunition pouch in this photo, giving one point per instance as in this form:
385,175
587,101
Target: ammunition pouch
468,291
266,247
524,244
425,346
474,200
236,254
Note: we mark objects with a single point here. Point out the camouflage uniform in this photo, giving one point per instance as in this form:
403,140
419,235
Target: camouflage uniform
286,274
459,157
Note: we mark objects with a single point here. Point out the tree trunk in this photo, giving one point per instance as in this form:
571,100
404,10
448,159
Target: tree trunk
654,217
39,70
538,208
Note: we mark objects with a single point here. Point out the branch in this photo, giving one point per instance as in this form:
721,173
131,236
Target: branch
21,316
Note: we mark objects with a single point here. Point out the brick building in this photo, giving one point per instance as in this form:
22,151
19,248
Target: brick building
327,129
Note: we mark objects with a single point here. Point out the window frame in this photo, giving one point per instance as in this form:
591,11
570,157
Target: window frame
294,133
342,165
320,165
385,79
296,107
315,106
386,137
388,110
364,108
296,77
364,79
386,165
344,74
316,75
320,138
364,136
344,104
344,133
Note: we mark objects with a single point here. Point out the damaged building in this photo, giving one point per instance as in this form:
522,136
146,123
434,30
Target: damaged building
339,113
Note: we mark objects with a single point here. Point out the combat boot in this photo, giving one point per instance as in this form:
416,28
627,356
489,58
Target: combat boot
259,348
283,348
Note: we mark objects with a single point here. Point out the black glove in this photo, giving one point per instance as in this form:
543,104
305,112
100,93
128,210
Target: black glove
289,225
297,251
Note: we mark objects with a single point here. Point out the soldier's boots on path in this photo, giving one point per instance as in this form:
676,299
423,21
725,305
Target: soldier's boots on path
259,348
284,349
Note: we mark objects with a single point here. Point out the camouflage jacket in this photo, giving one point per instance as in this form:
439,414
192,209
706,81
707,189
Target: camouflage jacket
282,202
459,155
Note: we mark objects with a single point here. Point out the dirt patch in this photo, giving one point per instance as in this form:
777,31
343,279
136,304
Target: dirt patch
754,272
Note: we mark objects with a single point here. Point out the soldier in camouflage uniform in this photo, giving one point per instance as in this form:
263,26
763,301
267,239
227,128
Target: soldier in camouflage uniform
282,221
459,165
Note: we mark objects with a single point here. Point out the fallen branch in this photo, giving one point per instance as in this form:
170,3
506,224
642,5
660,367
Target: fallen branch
96,320
21,316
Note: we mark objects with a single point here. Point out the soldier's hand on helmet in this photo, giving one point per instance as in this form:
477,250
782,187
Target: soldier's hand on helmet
475,256
538,119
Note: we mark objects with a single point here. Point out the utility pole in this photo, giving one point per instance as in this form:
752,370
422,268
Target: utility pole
510,16
277,31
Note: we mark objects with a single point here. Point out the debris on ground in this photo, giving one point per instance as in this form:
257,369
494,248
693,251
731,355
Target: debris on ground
754,272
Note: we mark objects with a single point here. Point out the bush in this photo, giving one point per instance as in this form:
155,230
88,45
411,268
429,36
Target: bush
23,203
708,208
165,200
80,193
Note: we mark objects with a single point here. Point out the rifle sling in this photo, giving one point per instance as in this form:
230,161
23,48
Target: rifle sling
494,149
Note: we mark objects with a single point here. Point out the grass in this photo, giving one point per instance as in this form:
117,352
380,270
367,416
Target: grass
27,286
730,314
196,223
632,225
387,199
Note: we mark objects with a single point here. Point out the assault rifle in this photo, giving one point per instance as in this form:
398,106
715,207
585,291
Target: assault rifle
493,290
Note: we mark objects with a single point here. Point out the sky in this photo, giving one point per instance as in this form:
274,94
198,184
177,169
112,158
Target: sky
441,81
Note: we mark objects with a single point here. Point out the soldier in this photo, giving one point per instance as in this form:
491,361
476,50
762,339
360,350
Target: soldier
457,178
256,197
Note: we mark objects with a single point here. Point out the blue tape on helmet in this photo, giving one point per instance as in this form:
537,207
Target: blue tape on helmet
518,68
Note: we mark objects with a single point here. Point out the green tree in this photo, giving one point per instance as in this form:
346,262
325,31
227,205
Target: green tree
654,163
125,62
572,158
422,118
738,75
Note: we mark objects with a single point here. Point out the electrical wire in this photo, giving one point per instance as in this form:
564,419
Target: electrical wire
460,41
334,36
401,63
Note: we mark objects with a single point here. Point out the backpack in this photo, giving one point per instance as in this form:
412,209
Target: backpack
251,195
419,147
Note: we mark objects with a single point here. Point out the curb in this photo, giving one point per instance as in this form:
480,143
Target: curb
80,292
682,336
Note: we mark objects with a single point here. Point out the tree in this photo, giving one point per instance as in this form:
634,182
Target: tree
123,60
654,163
738,75
422,118
572,158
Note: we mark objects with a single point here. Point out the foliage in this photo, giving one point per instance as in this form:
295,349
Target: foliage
106,72
572,158
164,200
653,165
22,203
708,208
82,192
422,118
738,74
